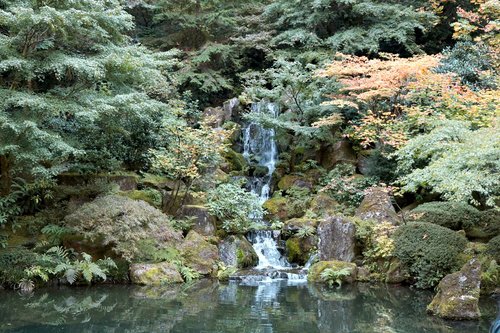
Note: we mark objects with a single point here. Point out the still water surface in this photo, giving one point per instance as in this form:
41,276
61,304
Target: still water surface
208,306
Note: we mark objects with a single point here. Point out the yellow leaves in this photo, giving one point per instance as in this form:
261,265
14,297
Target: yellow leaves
332,120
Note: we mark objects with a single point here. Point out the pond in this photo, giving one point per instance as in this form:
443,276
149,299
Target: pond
208,306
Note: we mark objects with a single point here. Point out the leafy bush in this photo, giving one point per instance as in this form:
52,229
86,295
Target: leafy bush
471,62
454,161
235,207
493,248
13,262
428,250
376,241
122,223
452,215
344,186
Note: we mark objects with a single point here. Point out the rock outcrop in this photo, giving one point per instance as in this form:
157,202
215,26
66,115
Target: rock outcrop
377,205
458,294
199,254
236,251
204,223
154,274
314,274
337,238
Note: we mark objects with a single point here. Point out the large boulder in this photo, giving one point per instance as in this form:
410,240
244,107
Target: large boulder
288,181
314,274
458,294
204,223
296,224
236,251
337,238
323,205
155,274
199,254
340,152
377,205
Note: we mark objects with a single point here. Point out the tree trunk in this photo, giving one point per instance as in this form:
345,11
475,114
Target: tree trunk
5,176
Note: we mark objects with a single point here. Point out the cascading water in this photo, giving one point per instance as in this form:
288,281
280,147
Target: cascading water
259,147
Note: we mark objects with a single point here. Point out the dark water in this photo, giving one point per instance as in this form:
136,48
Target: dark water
211,307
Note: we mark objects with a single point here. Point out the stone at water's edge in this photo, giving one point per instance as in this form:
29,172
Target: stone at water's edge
377,205
314,274
236,251
204,223
299,249
337,239
458,294
154,274
199,254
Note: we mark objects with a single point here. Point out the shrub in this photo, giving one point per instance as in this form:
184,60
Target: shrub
235,207
429,251
453,215
493,248
13,262
122,223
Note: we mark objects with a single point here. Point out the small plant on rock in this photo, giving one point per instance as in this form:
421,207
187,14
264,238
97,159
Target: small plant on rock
334,277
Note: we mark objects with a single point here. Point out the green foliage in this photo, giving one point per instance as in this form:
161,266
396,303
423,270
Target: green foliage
345,186
359,26
122,224
490,277
459,163
13,263
306,231
377,243
234,207
225,272
472,63
428,250
452,215
332,277
493,248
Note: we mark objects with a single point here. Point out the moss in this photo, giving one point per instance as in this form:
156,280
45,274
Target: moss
236,160
451,215
151,196
428,250
293,250
276,206
287,181
298,250
315,271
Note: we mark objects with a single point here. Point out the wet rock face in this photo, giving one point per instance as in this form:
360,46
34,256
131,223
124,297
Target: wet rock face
458,294
236,251
377,205
337,239
204,223
154,274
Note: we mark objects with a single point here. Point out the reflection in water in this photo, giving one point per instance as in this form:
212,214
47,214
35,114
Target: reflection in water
207,306
495,326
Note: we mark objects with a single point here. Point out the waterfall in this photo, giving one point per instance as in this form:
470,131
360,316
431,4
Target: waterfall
259,148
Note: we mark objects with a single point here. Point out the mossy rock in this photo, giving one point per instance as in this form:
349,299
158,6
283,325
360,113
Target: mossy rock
397,272
289,181
204,223
295,224
155,274
151,196
298,250
458,294
159,182
314,274
277,207
377,205
323,205
199,254
236,160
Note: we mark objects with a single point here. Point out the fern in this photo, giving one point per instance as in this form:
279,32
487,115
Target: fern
332,277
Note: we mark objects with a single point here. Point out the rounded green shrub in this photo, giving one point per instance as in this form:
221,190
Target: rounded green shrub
428,250
493,248
452,215
13,262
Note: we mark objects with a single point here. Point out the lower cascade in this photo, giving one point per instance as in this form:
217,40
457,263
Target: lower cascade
260,149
